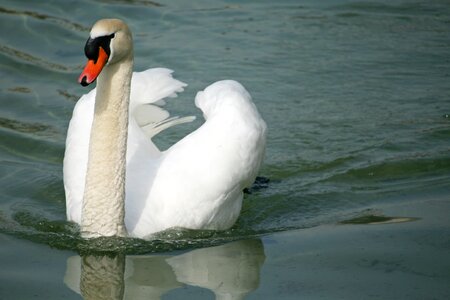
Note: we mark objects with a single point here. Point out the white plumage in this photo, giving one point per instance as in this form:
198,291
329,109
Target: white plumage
198,182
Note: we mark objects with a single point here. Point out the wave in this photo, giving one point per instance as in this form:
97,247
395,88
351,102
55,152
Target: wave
26,58
39,16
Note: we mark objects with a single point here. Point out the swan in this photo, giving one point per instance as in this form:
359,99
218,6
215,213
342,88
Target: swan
116,180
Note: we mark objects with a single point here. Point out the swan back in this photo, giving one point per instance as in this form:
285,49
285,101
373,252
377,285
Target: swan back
200,179
229,110
223,95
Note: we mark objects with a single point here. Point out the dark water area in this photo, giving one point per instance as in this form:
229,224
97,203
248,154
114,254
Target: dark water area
356,95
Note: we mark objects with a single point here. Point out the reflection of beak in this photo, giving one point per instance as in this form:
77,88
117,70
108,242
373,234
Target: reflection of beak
93,68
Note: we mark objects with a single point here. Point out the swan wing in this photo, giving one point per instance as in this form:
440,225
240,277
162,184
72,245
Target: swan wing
148,91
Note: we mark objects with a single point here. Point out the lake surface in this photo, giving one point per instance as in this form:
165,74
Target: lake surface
356,95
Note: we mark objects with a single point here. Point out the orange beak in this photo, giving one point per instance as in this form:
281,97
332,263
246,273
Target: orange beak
93,68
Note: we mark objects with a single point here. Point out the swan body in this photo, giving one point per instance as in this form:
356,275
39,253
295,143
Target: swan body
117,182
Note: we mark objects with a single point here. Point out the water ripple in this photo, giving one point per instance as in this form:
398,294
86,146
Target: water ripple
22,126
66,236
59,21
33,60
68,96
134,2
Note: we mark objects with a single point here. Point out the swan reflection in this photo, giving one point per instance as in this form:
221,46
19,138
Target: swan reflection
231,271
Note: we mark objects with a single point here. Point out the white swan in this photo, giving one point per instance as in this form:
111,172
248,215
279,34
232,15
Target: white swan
117,182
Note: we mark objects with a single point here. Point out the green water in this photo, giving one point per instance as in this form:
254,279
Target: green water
356,96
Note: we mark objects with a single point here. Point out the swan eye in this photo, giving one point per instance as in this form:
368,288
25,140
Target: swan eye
92,47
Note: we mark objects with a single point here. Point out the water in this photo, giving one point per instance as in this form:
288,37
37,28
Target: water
355,94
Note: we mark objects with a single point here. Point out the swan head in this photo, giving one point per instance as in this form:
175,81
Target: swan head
110,41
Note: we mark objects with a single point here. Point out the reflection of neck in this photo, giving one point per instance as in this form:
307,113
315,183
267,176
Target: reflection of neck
104,195
231,271
102,277
230,296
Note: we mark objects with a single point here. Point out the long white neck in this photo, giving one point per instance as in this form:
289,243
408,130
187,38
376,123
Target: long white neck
104,195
